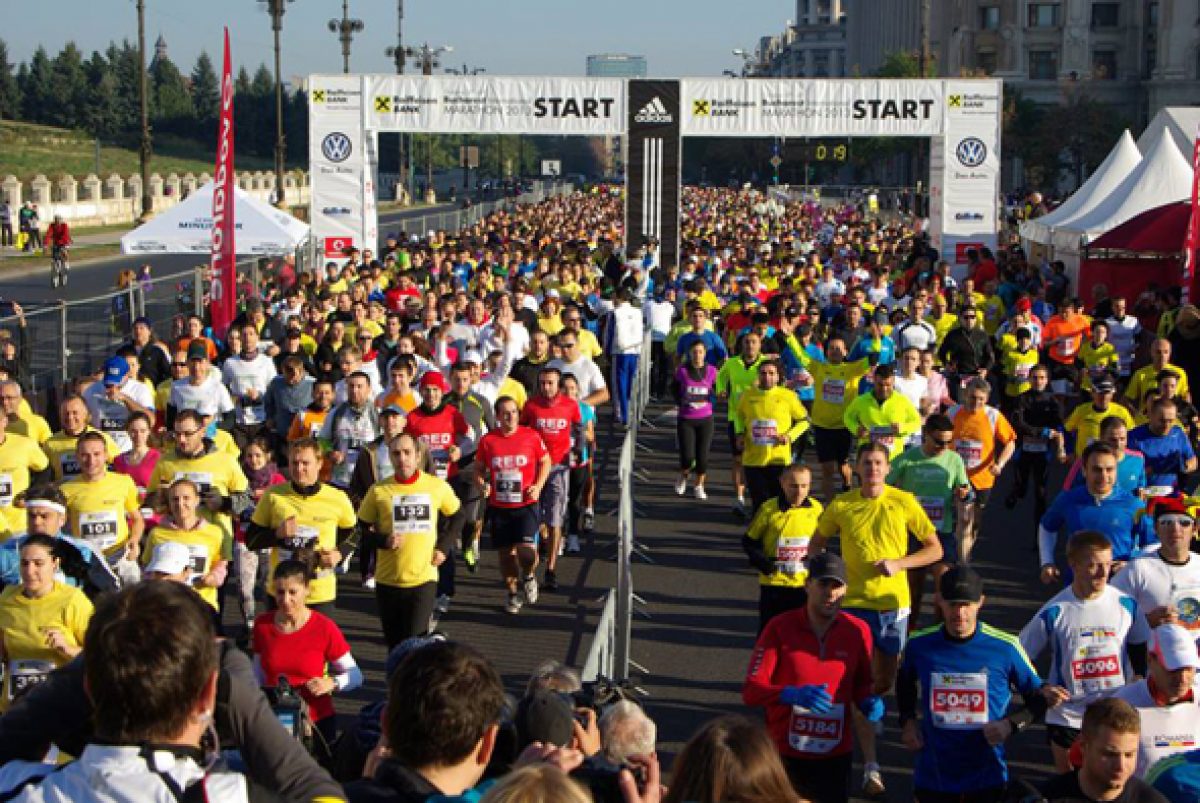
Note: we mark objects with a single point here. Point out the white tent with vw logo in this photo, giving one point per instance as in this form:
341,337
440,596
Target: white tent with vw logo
186,228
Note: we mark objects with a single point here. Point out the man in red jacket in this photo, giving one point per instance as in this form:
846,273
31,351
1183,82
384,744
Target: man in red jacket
557,418
809,666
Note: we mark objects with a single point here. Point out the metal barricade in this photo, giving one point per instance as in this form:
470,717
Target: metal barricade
601,658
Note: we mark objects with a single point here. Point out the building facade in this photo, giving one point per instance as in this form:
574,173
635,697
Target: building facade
616,65
813,45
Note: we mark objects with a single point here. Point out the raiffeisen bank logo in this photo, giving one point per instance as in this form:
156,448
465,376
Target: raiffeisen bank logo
653,112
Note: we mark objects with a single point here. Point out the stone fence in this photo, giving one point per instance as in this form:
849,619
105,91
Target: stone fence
101,202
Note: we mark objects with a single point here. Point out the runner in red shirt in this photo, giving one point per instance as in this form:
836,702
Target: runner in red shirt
441,426
514,466
809,666
556,417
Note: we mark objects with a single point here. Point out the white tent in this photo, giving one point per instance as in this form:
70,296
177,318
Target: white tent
1161,177
1119,163
186,228
1181,122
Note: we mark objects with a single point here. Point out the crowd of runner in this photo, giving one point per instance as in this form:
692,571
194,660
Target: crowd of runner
385,422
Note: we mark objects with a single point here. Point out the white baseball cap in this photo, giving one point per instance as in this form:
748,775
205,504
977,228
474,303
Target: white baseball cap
1175,647
169,558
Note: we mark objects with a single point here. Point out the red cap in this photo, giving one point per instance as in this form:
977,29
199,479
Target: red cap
1164,505
434,379
1023,304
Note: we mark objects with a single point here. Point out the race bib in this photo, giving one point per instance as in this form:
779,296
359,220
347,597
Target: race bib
24,675
1186,599
884,436
6,490
305,538
99,528
958,700
412,513
197,562
253,412
833,391
203,480
1067,347
971,452
69,465
441,462
1097,668
935,509
509,488
763,432
809,732
790,554
1021,371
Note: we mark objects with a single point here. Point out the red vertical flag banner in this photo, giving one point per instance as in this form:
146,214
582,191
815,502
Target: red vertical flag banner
224,254
1191,288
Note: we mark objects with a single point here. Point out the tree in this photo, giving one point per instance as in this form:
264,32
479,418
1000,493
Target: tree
206,93
10,94
102,112
37,92
124,66
172,107
69,89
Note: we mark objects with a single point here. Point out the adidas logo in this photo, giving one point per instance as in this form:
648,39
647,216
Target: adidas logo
654,112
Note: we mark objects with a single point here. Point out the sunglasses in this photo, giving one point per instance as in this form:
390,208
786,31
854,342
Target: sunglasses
1176,518
942,443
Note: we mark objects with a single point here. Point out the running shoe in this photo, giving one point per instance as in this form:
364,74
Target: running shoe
872,784
573,544
471,558
589,520
681,486
549,582
442,605
530,586
369,583
700,493
740,509
513,605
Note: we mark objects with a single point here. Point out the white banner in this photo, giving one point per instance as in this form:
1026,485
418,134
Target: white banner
971,172
816,108
338,159
485,105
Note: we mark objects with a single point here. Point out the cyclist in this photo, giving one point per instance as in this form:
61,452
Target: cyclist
1097,638
58,240
966,670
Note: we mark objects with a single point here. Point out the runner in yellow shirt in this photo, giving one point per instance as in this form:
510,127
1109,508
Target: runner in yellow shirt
769,419
42,620
209,548
874,524
1099,357
102,507
60,448
835,386
408,515
20,457
1084,421
882,416
305,519
21,419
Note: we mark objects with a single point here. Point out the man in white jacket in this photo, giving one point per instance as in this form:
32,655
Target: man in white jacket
623,344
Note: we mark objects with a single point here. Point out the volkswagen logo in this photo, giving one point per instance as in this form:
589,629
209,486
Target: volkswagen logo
971,152
336,147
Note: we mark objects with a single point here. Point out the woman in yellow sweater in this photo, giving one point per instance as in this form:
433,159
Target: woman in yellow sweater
770,418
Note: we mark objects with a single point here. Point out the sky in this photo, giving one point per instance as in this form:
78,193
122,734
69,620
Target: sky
504,37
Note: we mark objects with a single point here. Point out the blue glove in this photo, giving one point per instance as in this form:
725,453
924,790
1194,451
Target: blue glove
872,708
814,698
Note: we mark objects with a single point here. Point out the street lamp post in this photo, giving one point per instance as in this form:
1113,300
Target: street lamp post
144,152
397,55
276,8
345,28
429,58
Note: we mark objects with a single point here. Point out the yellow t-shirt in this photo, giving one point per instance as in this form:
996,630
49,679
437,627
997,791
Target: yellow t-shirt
785,535
942,325
19,457
871,530
764,414
588,344
1145,379
1098,361
514,389
32,426
23,625
60,449
550,324
1016,366
207,545
834,387
411,509
97,511
1085,420
318,518
221,439
877,419
216,469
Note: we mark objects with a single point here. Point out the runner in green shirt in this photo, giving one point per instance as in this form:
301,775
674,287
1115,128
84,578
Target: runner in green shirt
935,474
737,375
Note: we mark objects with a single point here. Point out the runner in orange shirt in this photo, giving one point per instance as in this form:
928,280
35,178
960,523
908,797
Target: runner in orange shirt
978,430
1062,337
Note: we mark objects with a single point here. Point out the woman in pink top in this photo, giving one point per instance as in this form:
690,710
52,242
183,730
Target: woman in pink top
138,463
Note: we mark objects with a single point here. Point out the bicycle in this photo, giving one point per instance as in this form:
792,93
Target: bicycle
60,267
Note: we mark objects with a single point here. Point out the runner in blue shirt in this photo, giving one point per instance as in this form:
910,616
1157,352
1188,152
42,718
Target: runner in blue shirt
1099,506
966,671
1169,453
1131,465
715,351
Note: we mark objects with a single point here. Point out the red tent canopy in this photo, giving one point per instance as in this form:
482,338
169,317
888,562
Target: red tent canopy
1161,229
